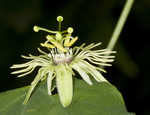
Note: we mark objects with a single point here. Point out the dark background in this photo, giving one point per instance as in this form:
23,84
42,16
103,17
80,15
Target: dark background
93,21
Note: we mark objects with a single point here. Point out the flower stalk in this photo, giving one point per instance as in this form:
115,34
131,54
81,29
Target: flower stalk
120,24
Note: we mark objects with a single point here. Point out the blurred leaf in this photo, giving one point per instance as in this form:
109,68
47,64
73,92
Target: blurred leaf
99,99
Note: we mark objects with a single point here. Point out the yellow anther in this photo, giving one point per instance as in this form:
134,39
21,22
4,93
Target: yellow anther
66,42
59,46
47,45
71,42
56,44
36,28
49,38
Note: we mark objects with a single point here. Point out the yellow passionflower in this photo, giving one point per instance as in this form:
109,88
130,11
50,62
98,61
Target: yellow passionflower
61,60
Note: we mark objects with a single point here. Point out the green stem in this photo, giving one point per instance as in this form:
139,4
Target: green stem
120,23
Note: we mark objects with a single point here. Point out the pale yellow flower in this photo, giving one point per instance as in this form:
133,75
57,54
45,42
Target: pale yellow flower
61,61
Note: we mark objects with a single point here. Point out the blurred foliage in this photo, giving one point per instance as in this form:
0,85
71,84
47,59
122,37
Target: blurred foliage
93,21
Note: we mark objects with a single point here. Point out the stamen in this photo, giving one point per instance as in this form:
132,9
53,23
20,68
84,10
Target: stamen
72,41
47,45
56,44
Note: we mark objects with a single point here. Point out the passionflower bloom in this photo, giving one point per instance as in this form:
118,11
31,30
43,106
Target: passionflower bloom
61,60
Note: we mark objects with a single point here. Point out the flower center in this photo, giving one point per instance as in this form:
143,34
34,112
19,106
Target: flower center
60,58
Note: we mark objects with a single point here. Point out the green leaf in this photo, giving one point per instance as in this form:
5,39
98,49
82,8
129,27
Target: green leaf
98,99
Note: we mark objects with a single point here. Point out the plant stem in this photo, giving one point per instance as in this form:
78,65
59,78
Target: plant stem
120,23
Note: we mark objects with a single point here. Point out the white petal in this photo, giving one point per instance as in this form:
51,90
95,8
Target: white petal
98,76
22,70
83,74
49,82
32,86
91,70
